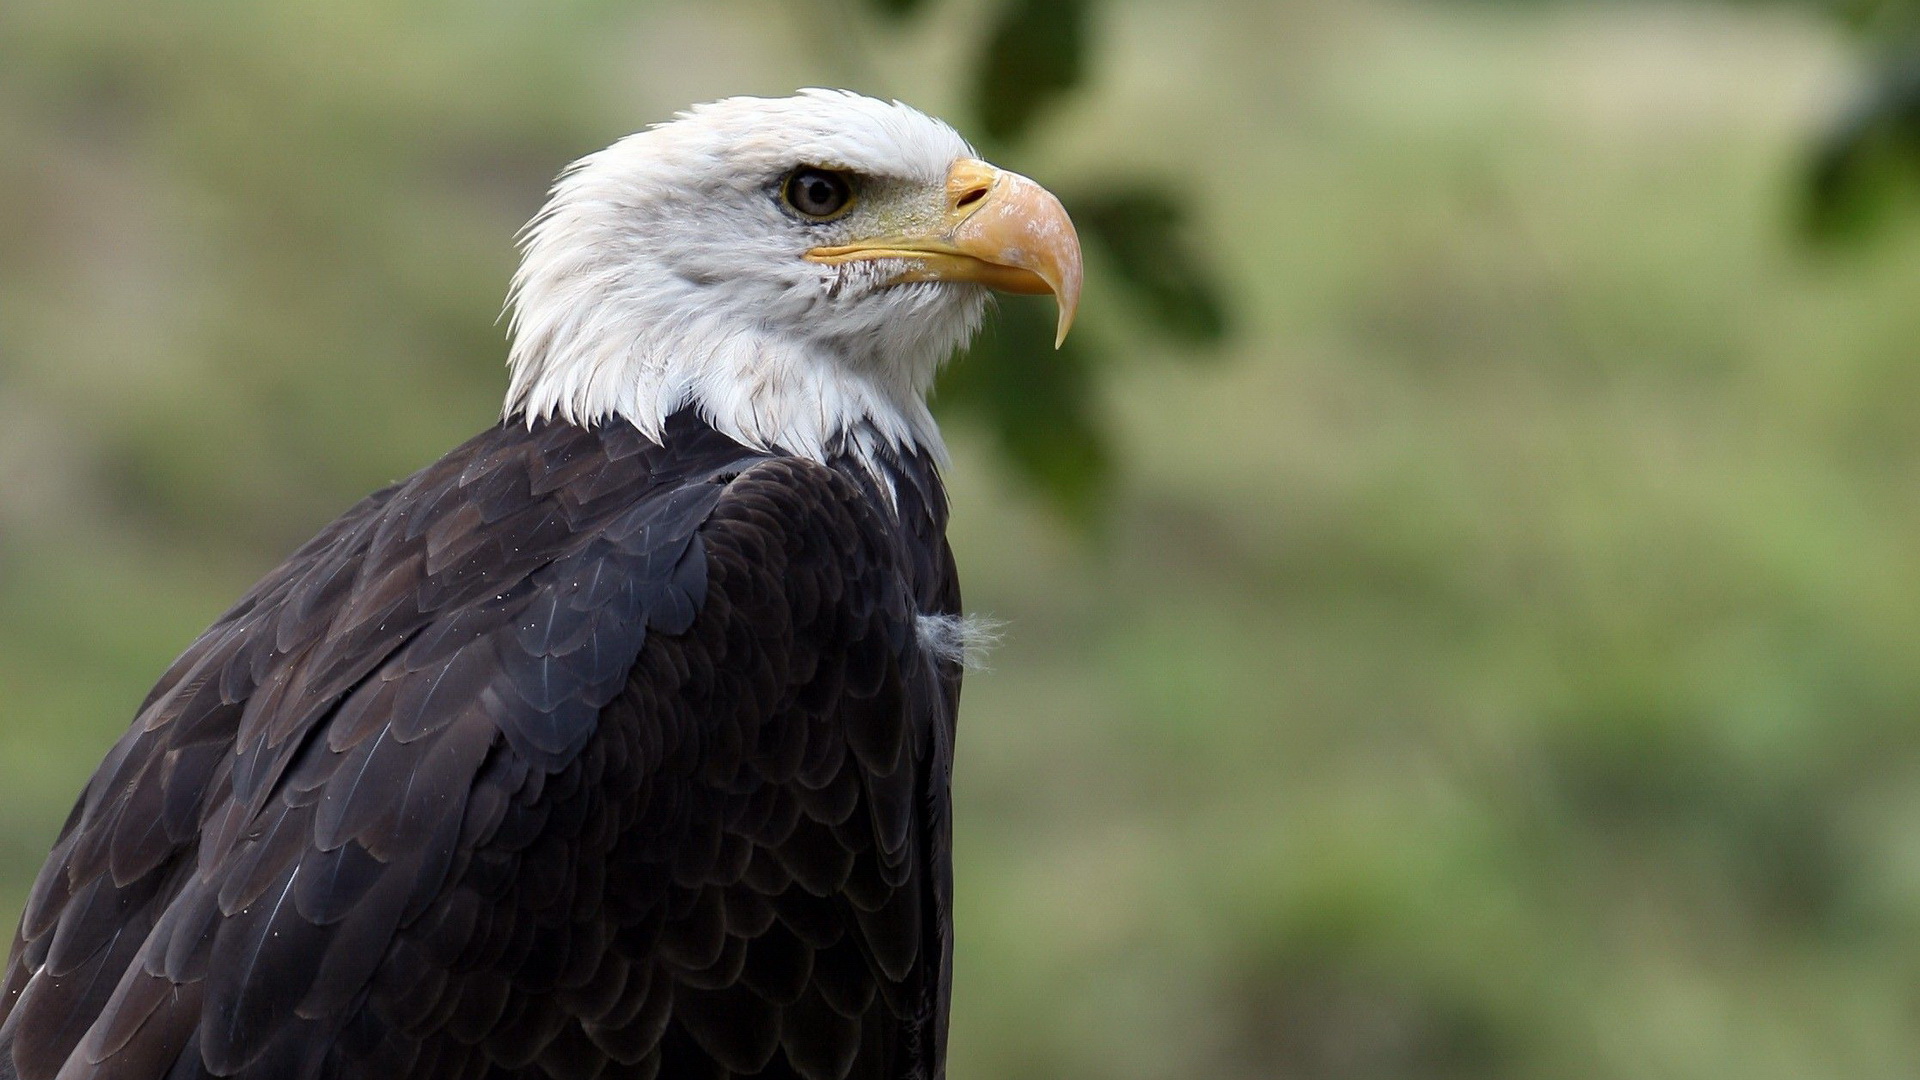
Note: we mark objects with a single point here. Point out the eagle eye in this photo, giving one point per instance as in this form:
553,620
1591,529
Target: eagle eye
820,194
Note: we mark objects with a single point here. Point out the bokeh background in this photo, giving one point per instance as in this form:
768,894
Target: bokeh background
1462,591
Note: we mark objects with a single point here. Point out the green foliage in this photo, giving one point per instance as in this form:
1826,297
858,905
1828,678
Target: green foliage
1867,166
1041,404
1043,407
1151,253
1036,53
1864,169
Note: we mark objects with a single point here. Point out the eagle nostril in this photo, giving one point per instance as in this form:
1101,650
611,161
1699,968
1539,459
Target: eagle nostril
972,196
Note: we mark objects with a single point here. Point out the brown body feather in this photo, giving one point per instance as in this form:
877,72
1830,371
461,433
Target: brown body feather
573,755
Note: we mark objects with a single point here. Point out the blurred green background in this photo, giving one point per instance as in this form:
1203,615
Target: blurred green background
1498,656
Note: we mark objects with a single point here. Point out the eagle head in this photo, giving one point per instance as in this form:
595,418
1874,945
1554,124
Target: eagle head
795,268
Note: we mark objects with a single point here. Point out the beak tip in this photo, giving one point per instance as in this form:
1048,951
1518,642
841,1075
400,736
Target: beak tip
1069,305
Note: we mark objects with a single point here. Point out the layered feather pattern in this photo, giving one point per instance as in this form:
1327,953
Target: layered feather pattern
577,754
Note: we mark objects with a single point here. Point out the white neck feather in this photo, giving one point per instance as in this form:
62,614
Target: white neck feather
597,357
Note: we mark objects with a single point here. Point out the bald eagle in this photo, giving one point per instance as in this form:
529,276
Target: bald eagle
618,741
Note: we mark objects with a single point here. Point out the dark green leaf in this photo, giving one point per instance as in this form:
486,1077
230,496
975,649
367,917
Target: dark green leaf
1036,53
1869,162
1143,231
1039,405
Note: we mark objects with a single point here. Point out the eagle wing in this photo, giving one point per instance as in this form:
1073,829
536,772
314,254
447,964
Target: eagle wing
573,755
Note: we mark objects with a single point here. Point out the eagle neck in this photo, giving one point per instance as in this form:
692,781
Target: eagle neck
806,398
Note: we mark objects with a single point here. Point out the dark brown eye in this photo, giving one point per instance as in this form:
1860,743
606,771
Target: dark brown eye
818,193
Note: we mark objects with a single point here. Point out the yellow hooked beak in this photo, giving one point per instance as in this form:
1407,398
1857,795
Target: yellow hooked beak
1000,230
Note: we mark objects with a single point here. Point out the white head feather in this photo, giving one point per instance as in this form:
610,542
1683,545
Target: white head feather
665,271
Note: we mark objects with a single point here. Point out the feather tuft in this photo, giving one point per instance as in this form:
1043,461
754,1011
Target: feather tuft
960,639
